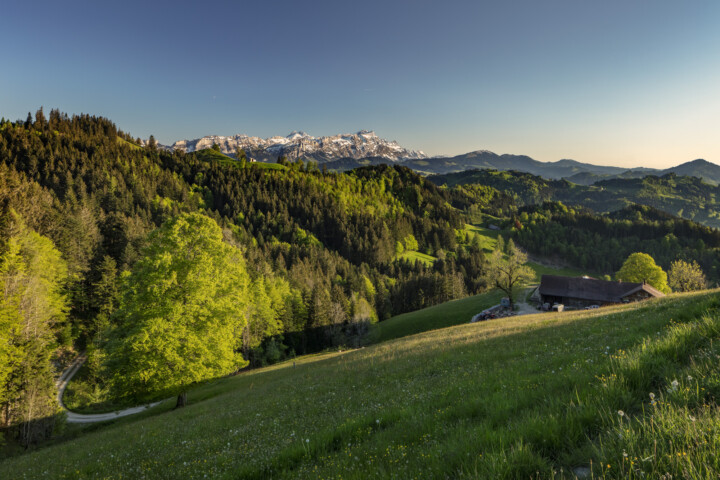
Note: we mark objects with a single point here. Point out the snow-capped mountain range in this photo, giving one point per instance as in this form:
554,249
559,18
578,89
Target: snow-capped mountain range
358,145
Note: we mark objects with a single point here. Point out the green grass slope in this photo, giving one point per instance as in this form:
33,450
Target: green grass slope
535,396
447,314
413,256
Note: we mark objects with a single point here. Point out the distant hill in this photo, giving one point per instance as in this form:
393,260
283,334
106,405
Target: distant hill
700,168
684,196
574,171
344,152
486,159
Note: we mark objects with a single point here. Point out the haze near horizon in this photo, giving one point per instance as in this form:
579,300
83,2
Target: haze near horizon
613,83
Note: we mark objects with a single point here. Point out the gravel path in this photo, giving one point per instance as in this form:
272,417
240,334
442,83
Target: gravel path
73,417
523,308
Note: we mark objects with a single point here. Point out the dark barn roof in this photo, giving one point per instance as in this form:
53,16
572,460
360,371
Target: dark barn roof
592,289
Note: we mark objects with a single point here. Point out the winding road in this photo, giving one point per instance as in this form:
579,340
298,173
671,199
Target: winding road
73,417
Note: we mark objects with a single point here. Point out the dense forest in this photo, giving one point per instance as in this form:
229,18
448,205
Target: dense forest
601,243
687,197
320,249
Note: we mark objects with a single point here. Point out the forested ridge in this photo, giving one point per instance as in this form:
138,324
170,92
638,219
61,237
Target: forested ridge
320,248
684,196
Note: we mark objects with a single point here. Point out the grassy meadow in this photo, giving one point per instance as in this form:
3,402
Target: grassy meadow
444,315
619,392
414,256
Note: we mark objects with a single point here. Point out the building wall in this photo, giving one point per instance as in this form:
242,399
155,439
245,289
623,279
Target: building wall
571,301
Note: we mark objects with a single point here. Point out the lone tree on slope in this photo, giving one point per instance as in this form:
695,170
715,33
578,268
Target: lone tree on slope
507,272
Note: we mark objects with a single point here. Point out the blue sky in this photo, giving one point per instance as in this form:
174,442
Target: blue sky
629,83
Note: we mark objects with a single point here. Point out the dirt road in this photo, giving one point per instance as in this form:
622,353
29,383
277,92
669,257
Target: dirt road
73,417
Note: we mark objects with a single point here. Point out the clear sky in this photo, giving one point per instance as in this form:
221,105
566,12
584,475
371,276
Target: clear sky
614,82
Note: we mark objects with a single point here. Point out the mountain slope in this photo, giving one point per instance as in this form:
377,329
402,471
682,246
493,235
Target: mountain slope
700,168
510,398
708,172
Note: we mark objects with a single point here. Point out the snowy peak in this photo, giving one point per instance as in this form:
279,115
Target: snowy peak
362,144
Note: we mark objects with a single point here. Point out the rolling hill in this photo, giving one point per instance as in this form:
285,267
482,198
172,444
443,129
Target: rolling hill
688,197
547,395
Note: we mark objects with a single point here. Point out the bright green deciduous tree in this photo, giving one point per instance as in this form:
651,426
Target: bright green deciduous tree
411,243
641,267
686,277
509,271
33,306
182,311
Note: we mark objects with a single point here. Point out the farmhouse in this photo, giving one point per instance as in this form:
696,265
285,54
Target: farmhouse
585,291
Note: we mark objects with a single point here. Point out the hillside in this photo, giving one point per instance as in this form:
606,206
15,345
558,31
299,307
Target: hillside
707,171
510,398
683,196
319,256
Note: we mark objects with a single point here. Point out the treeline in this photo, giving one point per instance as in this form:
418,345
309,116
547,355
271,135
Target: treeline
601,243
320,247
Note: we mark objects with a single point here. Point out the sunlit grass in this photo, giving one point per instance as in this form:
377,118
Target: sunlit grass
533,396
413,256
444,315
486,237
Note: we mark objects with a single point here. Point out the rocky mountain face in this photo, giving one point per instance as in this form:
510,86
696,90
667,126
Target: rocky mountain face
362,144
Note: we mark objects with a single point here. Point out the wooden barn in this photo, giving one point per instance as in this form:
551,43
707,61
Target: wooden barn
583,292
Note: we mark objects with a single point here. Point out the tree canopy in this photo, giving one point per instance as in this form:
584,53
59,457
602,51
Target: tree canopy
33,307
641,267
507,270
686,276
182,311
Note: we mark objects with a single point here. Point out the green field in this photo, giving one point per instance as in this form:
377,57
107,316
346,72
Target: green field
486,237
444,315
413,256
536,396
